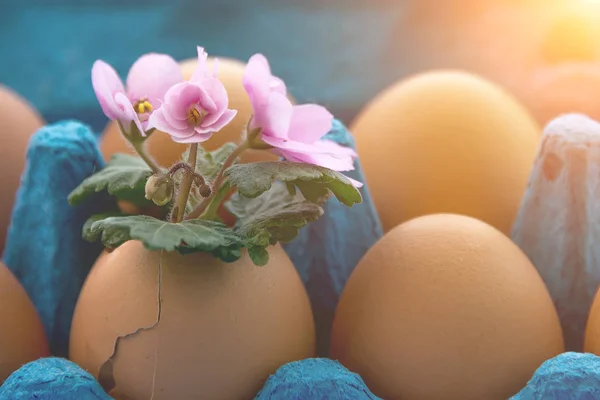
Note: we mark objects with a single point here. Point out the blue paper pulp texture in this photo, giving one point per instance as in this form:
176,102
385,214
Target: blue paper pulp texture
52,379
315,379
568,376
322,49
44,247
326,252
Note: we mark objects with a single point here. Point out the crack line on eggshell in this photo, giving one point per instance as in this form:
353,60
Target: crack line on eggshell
160,259
105,375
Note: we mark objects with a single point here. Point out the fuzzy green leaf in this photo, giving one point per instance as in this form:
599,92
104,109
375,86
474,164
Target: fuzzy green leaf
186,237
259,256
315,183
87,234
124,177
272,217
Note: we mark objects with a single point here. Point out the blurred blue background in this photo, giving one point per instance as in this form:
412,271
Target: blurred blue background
338,53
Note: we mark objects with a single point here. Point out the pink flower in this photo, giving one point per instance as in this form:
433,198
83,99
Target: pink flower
147,82
294,131
192,111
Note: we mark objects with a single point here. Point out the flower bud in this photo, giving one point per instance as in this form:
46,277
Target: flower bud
159,189
205,190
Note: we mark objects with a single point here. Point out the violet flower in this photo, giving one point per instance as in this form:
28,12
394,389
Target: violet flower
294,131
192,111
148,80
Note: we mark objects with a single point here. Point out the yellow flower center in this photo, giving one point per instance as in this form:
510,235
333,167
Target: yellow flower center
142,107
194,116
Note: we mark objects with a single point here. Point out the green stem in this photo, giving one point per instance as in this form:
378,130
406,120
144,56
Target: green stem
186,184
139,148
213,207
137,141
198,211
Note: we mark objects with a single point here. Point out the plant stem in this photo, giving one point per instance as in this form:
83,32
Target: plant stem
216,187
186,184
139,148
137,141
213,207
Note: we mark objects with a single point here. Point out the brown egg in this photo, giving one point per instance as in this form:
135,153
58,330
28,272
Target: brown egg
570,38
18,121
445,307
22,337
446,141
222,329
556,90
592,331
167,152
566,77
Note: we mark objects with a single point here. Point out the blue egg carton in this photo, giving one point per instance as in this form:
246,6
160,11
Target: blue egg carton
61,155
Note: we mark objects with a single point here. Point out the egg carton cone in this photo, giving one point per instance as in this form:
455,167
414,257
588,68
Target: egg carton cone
56,378
44,248
558,224
326,251
568,376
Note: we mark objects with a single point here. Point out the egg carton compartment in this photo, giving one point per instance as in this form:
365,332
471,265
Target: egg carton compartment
46,253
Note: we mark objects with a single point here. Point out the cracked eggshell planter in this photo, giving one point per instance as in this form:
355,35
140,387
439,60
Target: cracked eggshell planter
165,323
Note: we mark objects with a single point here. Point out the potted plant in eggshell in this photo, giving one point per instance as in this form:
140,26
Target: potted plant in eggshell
187,306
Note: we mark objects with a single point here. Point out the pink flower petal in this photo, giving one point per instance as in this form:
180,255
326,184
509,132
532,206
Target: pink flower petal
324,153
332,149
176,123
151,76
274,120
182,96
216,92
323,160
158,121
354,182
216,126
335,149
201,70
106,83
310,122
332,162
195,138
171,103
256,80
277,85
206,101
126,113
185,95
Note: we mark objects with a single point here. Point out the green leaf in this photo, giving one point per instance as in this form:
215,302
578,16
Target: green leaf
315,183
186,237
124,177
259,256
87,234
272,217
